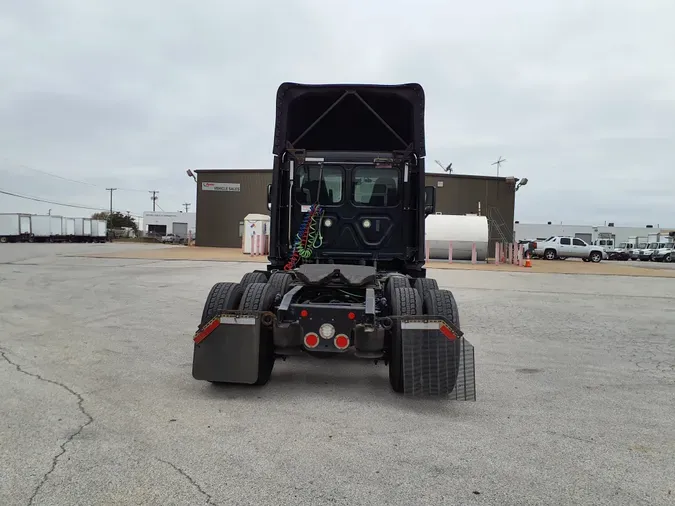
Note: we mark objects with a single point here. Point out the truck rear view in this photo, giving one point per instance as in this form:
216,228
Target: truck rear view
346,269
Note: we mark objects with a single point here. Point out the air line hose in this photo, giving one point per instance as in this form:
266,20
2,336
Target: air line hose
308,238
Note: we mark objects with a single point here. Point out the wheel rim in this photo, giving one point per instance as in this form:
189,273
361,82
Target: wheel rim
595,257
549,255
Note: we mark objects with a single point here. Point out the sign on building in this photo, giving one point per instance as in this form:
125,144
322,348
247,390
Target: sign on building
221,187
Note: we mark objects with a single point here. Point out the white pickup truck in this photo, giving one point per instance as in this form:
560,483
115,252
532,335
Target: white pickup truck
570,247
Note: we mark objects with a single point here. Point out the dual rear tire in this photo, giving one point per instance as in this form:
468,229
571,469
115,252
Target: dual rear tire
424,299
255,292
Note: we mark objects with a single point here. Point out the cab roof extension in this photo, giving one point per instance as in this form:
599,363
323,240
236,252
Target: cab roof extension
350,117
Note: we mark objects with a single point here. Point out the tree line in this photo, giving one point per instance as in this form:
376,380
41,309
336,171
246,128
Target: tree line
116,220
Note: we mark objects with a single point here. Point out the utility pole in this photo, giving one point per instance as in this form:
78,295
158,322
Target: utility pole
154,198
187,206
111,190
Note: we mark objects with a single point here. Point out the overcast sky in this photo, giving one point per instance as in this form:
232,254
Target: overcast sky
578,96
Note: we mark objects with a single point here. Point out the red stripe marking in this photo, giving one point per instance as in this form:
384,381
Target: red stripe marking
447,332
200,336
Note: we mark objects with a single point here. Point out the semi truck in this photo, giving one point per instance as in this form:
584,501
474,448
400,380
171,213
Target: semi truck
345,274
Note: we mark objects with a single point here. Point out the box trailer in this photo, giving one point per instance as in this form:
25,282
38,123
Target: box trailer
99,230
15,227
69,227
78,230
41,227
56,228
87,227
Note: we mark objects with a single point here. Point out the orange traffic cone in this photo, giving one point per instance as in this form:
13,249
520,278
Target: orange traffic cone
528,262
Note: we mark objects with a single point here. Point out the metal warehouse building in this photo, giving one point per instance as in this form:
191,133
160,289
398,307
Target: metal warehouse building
226,196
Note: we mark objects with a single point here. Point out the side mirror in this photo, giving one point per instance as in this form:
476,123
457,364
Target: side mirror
429,200
269,197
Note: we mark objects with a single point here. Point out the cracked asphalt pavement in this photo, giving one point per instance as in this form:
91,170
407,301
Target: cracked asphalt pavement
575,386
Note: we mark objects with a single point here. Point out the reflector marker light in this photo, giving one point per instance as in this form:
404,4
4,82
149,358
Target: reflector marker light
351,315
204,333
304,313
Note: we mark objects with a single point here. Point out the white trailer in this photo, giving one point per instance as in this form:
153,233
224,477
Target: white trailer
15,227
82,230
56,226
69,227
41,227
99,230
87,228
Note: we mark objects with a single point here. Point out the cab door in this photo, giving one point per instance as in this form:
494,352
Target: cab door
579,248
565,248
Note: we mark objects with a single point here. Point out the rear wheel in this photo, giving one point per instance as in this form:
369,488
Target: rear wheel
668,258
223,296
394,282
423,285
260,297
550,254
442,303
253,277
405,301
280,282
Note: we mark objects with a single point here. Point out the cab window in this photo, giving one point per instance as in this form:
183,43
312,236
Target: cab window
578,242
376,187
565,241
316,183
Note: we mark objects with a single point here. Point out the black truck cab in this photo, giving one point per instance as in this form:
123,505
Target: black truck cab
357,151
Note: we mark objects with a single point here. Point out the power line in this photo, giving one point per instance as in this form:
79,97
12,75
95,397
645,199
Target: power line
47,201
187,206
65,178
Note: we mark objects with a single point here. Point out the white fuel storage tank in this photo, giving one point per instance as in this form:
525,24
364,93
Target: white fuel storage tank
462,230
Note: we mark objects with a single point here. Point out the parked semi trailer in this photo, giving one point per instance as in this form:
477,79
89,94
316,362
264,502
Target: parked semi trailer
99,230
15,227
346,271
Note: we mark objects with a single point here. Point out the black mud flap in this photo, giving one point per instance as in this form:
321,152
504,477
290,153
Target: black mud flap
437,360
227,349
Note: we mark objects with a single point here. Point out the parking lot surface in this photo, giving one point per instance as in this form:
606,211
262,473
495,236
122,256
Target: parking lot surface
575,396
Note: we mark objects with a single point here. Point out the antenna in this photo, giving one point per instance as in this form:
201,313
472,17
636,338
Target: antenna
446,169
499,162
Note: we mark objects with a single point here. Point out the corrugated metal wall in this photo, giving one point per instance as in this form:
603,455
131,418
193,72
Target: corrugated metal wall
219,212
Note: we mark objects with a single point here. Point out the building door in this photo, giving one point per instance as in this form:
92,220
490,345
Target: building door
180,229
587,238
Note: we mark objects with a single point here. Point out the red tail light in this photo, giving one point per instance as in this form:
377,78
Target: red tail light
341,342
311,340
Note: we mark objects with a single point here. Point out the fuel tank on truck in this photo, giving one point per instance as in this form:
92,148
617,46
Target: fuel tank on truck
462,230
